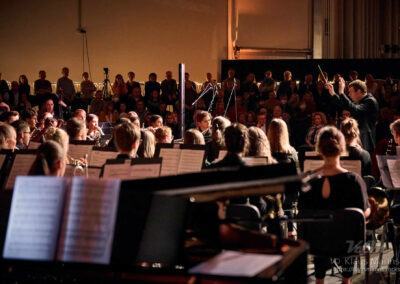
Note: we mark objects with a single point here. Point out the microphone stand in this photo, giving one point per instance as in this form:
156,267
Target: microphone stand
209,87
233,92
215,91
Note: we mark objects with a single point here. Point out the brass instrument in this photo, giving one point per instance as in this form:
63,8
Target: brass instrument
380,208
81,166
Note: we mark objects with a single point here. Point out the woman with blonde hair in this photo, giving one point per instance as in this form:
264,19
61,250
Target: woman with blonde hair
50,160
193,137
349,128
278,137
218,126
147,146
58,135
259,144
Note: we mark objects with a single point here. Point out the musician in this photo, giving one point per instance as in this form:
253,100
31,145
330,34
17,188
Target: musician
58,135
337,188
23,134
278,137
94,132
395,129
126,139
193,137
163,134
218,126
259,145
349,128
8,137
362,106
50,160
80,113
203,123
76,129
147,146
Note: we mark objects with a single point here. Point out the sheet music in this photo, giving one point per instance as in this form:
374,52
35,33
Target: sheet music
21,166
117,171
394,170
384,170
170,162
191,161
140,171
34,145
255,161
2,158
310,165
35,217
234,263
352,166
98,158
78,151
89,219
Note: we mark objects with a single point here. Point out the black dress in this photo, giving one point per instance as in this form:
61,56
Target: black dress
347,190
358,153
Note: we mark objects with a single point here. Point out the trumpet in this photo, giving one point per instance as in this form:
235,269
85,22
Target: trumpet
81,166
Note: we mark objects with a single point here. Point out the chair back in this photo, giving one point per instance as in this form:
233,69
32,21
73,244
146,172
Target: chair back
245,215
343,236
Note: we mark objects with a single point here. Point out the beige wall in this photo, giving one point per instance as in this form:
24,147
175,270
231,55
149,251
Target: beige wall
125,35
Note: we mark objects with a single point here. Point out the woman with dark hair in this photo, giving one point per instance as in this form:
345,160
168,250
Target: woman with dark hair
23,86
50,160
336,188
76,129
349,128
94,132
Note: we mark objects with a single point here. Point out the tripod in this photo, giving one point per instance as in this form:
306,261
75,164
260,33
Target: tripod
106,86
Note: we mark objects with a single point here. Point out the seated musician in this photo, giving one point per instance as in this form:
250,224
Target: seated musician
259,144
278,137
80,113
337,188
349,128
126,139
23,134
58,135
50,160
147,145
193,137
76,129
235,140
8,137
94,132
218,126
395,129
203,123
164,135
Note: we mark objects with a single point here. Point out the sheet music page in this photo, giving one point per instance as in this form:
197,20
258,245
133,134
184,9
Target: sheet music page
35,218
94,173
117,171
98,158
394,170
255,161
191,161
310,165
2,158
170,162
384,170
234,263
89,218
78,151
21,166
34,145
352,166
140,171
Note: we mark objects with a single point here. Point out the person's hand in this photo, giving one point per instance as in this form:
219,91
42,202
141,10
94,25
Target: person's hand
329,87
342,85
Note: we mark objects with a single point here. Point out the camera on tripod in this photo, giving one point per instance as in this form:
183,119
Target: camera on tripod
106,70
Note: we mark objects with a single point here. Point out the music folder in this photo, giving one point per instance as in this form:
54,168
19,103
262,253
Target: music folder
131,169
22,161
59,219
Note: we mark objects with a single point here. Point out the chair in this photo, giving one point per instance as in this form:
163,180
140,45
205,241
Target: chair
343,236
245,215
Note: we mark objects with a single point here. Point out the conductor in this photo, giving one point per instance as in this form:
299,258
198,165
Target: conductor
362,106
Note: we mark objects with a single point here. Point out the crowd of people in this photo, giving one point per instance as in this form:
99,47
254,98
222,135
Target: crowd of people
278,120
